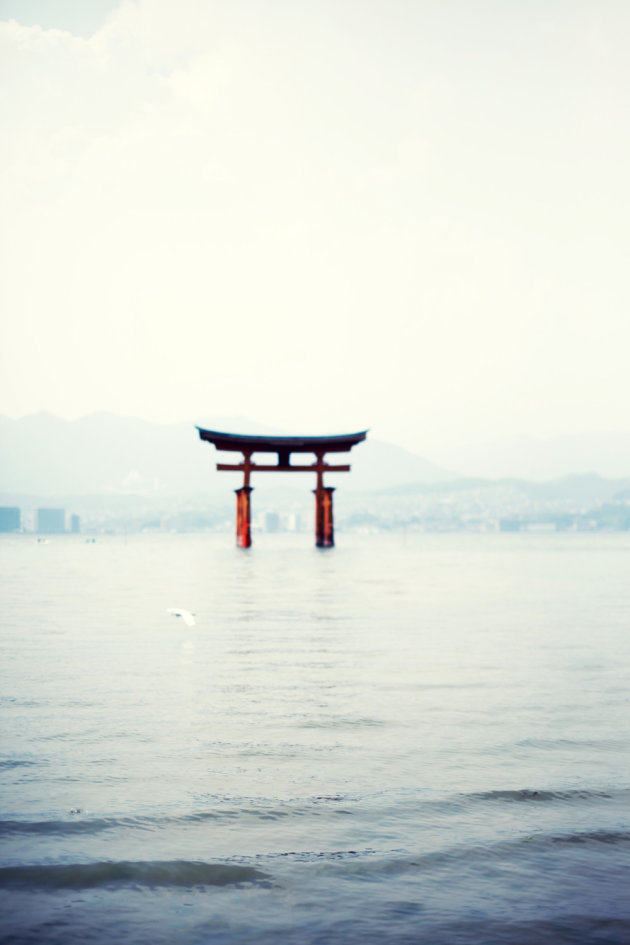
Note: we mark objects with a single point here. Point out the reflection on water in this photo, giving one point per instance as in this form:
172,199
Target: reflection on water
398,740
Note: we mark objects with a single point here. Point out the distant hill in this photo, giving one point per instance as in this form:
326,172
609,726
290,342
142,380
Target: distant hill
104,454
587,490
607,454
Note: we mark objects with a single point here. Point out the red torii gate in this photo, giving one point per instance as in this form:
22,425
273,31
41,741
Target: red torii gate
283,446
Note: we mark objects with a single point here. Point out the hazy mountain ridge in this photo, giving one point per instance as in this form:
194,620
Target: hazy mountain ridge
543,458
587,488
109,455
106,454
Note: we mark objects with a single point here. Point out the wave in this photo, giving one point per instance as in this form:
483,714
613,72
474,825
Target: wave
367,863
377,864
541,796
62,828
611,837
370,861
344,722
128,873
8,763
321,806
592,744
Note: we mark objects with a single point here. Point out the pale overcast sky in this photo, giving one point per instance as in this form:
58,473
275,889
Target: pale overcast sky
324,215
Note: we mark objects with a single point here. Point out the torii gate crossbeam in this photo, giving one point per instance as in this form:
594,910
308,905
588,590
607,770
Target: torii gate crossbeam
284,446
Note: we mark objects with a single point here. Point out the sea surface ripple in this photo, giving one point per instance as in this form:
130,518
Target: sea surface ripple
405,739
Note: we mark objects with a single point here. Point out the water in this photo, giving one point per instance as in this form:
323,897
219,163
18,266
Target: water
406,740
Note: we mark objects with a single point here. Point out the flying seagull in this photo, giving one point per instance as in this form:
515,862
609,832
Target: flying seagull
186,615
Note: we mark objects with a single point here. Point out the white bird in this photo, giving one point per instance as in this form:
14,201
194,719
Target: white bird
186,615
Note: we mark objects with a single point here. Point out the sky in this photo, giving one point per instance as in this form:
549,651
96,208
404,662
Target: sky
407,215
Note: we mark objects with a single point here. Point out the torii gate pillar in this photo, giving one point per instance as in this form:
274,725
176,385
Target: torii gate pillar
243,517
324,529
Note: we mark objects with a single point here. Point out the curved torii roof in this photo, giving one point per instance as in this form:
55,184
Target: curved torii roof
238,442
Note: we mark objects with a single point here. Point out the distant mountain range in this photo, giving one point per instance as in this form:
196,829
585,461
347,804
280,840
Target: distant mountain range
587,489
107,455
606,454
104,454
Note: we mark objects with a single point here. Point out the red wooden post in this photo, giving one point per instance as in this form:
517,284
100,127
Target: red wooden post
324,529
243,517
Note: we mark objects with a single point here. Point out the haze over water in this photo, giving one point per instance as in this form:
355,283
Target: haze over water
416,739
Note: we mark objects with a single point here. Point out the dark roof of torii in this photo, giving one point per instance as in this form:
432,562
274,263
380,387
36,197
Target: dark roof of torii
233,442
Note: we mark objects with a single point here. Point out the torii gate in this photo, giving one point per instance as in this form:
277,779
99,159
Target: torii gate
284,446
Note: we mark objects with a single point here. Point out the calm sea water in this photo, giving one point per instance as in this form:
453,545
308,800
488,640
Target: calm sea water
420,740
